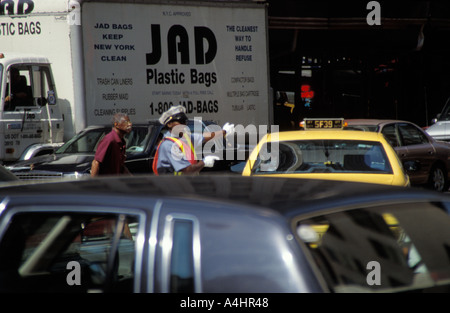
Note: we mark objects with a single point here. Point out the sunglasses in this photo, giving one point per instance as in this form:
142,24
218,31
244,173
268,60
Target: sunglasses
180,118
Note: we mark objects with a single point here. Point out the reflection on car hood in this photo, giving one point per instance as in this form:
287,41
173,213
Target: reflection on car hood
55,162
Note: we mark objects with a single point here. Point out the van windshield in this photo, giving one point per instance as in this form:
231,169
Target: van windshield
445,115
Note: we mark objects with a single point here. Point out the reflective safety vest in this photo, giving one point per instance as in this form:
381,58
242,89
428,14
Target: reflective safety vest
186,147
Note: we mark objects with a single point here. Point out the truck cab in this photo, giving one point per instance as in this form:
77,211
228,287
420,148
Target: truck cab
29,111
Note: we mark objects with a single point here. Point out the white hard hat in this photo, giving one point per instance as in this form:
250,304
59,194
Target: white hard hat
175,113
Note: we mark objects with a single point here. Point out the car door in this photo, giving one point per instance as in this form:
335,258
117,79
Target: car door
203,246
46,247
419,150
390,132
139,148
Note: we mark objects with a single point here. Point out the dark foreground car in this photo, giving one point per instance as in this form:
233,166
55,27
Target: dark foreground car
6,176
74,158
228,234
425,160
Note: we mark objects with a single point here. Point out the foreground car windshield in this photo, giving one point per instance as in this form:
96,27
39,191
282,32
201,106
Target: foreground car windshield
322,156
87,141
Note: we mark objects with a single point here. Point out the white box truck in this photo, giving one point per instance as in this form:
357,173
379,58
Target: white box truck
80,62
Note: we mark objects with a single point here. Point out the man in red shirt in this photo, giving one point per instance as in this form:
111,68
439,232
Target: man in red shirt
110,155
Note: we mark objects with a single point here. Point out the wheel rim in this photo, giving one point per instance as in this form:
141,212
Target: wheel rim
438,179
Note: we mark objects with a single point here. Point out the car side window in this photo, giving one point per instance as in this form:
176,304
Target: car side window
83,142
68,252
182,266
390,134
408,243
18,89
137,139
411,135
180,273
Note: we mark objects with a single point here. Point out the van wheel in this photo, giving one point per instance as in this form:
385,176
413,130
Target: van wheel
438,179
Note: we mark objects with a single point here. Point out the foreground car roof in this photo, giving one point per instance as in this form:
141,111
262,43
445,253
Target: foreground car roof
286,195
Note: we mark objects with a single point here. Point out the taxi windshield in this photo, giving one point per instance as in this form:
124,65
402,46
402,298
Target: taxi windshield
322,156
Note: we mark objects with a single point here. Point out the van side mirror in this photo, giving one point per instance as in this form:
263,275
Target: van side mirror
41,101
434,120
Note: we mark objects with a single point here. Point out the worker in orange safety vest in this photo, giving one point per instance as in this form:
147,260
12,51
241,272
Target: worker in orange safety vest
176,151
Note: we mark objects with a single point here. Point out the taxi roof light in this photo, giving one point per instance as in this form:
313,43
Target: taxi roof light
323,123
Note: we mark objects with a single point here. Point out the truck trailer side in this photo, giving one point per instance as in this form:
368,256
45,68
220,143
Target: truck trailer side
139,58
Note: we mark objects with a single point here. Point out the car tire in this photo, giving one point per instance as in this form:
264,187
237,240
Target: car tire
438,179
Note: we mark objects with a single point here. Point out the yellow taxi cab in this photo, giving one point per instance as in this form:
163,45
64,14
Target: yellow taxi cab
323,150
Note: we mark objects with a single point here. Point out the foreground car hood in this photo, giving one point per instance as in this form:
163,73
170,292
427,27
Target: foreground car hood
56,163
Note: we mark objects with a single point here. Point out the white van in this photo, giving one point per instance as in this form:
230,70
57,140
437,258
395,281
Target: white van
440,130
